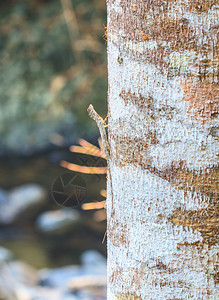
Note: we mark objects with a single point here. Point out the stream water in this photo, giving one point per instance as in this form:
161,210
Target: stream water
22,237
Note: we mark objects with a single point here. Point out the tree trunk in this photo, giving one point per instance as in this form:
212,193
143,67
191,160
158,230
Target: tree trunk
163,98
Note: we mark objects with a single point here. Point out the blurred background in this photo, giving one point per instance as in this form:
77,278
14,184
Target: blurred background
52,165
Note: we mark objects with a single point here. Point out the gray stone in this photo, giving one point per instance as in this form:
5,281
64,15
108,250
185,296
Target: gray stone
58,221
87,281
22,202
93,261
3,196
23,273
58,277
93,266
5,254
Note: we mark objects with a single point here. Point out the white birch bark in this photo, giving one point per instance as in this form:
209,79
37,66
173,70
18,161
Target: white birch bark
163,97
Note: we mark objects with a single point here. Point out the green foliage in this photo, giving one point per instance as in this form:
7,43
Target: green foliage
50,70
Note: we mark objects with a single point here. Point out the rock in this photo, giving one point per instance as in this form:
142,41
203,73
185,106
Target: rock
23,273
21,282
5,254
7,291
58,277
58,221
22,203
15,279
87,281
74,284
93,261
96,294
93,276
89,277
53,294
3,196
39,293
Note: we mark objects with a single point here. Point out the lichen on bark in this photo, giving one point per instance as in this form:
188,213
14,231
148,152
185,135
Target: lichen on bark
128,297
163,132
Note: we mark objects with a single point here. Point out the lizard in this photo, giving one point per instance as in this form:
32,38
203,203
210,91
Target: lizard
101,126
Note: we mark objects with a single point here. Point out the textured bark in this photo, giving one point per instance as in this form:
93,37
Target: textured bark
162,199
